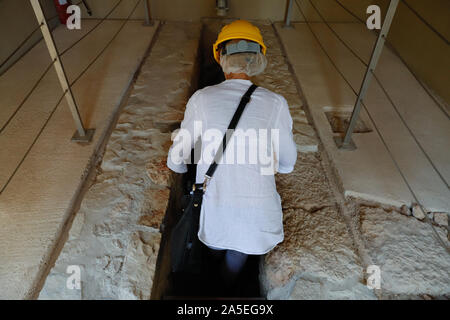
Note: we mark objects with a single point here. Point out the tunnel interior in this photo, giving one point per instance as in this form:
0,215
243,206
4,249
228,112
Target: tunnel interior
109,206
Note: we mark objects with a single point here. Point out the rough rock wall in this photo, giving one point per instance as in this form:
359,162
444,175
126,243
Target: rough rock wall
330,241
317,259
278,78
413,263
115,236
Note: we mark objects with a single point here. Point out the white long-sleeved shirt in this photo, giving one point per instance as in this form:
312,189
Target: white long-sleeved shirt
241,208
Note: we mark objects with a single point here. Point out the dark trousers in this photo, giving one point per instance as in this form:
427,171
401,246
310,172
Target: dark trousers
233,263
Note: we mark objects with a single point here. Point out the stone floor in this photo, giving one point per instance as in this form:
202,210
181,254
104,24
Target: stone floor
406,148
116,234
318,259
42,171
412,261
329,240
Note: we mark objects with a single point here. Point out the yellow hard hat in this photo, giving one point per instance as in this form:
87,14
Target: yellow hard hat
239,29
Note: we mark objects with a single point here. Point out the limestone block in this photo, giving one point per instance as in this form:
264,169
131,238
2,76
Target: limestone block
155,207
441,218
306,290
77,225
317,244
405,210
411,259
56,287
158,172
418,212
321,289
306,143
139,266
298,116
131,191
306,187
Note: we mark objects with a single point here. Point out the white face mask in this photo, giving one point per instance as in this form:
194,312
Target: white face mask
251,64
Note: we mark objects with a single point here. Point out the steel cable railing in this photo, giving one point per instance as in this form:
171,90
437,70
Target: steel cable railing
93,28
64,93
19,47
49,66
351,13
385,92
442,242
9,57
107,45
415,76
26,97
440,35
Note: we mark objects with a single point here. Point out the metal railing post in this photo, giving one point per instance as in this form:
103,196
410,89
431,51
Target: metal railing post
288,15
81,135
148,14
347,143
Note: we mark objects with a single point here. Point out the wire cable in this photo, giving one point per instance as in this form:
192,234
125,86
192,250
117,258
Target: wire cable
60,99
32,144
48,67
27,96
412,10
425,22
20,45
107,45
354,15
87,33
444,245
25,40
390,46
386,93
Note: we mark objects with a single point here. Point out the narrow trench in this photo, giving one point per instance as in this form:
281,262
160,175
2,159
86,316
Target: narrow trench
206,284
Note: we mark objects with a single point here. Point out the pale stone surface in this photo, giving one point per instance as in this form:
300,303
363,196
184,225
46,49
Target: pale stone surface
317,250
322,289
158,172
411,260
115,236
404,209
57,287
38,199
413,102
417,212
306,290
116,232
278,78
321,61
77,226
441,218
154,207
317,259
139,266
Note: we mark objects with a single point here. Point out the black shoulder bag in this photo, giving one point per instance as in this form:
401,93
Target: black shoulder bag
186,248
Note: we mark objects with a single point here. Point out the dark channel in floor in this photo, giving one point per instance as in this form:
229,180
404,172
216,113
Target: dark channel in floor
208,283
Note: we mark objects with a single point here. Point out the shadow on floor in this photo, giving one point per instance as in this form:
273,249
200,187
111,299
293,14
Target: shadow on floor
208,284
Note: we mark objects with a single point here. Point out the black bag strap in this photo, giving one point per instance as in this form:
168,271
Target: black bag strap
233,123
